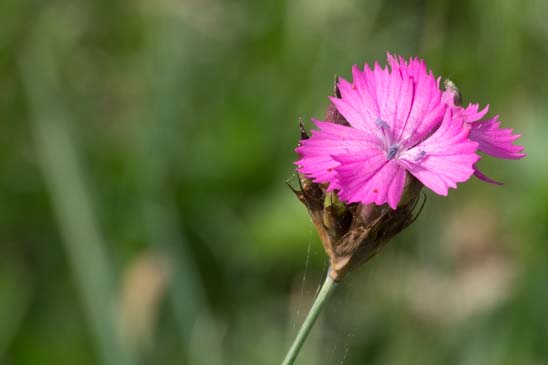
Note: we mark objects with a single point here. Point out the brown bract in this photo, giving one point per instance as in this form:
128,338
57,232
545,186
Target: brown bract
332,115
353,233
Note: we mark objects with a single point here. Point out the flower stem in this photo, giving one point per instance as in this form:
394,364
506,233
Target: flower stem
327,288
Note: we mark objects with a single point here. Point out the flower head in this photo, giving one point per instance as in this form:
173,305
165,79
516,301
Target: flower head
385,136
398,123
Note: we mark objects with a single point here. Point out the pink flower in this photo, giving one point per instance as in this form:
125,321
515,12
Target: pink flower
493,140
398,123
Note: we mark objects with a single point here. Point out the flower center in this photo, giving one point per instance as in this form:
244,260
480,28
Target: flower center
392,151
387,139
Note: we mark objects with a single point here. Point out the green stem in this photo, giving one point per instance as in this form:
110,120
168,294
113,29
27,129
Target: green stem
327,288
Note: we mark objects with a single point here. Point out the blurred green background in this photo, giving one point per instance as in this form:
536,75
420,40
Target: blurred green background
144,216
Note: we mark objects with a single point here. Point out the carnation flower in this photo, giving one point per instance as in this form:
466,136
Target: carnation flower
385,136
493,140
398,123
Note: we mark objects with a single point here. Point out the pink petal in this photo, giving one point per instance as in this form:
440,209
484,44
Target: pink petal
415,68
397,105
386,86
358,103
471,114
365,88
496,141
316,152
370,179
480,175
407,99
426,110
349,111
395,92
445,158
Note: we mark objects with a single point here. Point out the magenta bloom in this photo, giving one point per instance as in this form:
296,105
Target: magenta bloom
398,123
493,140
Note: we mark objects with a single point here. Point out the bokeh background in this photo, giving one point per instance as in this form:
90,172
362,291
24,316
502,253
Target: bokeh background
144,215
